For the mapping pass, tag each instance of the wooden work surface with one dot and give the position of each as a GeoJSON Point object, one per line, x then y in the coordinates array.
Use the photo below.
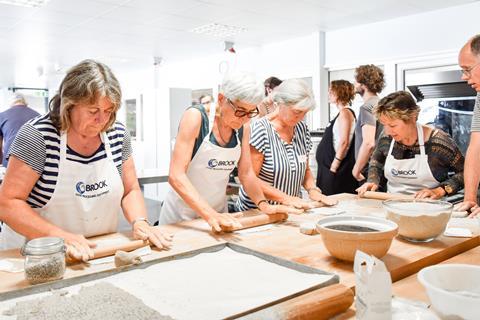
{"type": "Point", "coordinates": [411, 288]}
{"type": "Point", "coordinates": [284, 240]}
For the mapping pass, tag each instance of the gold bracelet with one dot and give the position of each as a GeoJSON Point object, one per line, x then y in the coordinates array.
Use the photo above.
{"type": "Point", "coordinates": [314, 188]}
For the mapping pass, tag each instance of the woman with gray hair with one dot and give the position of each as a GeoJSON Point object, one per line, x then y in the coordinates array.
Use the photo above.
{"type": "Point", "coordinates": [72, 170]}
{"type": "Point", "coordinates": [208, 147]}
{"type": "Point", "coordinates": [280, 144]}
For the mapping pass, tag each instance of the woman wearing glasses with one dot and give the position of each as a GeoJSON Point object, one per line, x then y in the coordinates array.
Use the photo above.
{"type": "Point", "coordinates": [279, 145]}
{"type": "Point", "coordinates": [207, 149]}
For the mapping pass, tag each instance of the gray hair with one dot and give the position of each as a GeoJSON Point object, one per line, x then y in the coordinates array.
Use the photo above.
{"type": "Point", "coordinates": [86, 82]}
{"type": "Point", "coordinates": [294, 92]}
{"type": "Point", "coordinates": [18, 98]}
{"type": "Point", "coordinates": [242, 87]}
{"type": "Point", "coordinates": [475, 45]}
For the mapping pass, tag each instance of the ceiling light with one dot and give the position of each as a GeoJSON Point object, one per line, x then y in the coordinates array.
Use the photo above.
{"type": "Point", "coordinates": [218, 30]}
{"type": "Point", "coordinates": [25, 3]}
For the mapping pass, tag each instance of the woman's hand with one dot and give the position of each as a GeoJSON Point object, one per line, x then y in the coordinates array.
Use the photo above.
{"type": "Point", "coordinates": [280, 208]}
{"type": "Point", "coordinates": [435, 193]}
{"type": "Point", "coordinates": [367, 186]}
{"type": "Point", "coordinates": [358, 175]}
{"type": "Point", "coordinates": [78, 247]}
{"type": "Point", "coordinates": [224, 219]}
{"type": "Point", "coordinates": [143, 231]}
{"type": "Point", "coordinates": [298, 203]}
{"type": "Point", "coordinates": [317, 195]}
{"type": "Point", "coordinates": [466, 205]}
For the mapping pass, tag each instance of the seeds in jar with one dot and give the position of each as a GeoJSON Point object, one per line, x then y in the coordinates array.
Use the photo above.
{"type": "Point", "coordinates": [48, 269]}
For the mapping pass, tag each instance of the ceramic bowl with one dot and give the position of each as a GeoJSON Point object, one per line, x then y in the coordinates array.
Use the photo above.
{"type": "Point", "coordinates": [344, 235]}
{"type": "Point", "coordinates": [453, 290]}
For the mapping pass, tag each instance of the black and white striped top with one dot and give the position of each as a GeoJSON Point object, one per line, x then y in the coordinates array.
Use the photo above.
{"type": "Point", "coordinates": [38, 145]}
{"type": "Point", "coordinates": [284, 164]}
{"type": "Point", "coordinates": [476, 115]}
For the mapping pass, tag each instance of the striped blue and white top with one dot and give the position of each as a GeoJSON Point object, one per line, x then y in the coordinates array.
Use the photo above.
{"type": "Point", "coordinates": [38, 145]}
{"type": "Point", "coordinates": [284, 164]}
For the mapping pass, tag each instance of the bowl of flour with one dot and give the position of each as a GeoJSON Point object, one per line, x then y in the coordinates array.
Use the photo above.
{"type": "Point", "coordinates": [419, 220]}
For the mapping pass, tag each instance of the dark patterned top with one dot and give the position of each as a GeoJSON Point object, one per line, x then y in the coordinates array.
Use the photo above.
{"type": "Point", "coordinates": [443, 154]}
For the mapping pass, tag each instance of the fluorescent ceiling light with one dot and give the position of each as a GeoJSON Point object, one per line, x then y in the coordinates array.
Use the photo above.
{"type": "Point", "coordinates": [218, 30]}
{"type": "Point", "coordinates": [25, 3]}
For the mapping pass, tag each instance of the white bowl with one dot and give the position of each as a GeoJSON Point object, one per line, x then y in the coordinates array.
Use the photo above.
{"type": "Point", "coordinates": [453, 289]}
{"type": "Point", "coordinates": [419, 220]}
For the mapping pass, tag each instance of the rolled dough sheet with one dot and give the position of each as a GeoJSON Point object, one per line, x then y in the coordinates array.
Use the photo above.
{"type": "Point", "coordinates": [207, 286]}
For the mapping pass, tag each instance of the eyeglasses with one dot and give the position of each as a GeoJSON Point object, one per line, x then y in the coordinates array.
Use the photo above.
{"type": "Point", "coordinates": [241, 113]}
{"type": "Point", "coordinates": [468, 72]}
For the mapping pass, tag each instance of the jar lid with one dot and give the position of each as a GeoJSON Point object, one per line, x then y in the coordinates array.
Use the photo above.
{"type": "Point", "coordinates": [44, 245]}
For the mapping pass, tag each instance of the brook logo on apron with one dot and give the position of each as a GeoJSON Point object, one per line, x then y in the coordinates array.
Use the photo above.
{"type": "Point", "coordinates": [408, 176]}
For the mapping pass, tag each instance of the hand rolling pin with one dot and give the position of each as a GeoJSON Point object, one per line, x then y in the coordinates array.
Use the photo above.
{"type": "Point", "coordinates": [256, 220]}
{"type": "Point", "coordinates": [110, 250]}
{"type": "Point", "coordinates": [385, 195]}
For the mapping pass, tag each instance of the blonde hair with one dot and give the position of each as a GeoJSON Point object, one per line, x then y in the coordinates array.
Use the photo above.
{"type": "Point", "coordinates": [88, 81]}
{"type": "Point", "coordinates": [397, 105]}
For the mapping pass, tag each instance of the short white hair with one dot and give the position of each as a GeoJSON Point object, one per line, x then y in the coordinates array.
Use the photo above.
{"type": "Point", "coordinates": [17, 99]}
{"type": "Point", "coordinates": [294, 93]}
{"type": "Point", "coordinates": [243, 87]}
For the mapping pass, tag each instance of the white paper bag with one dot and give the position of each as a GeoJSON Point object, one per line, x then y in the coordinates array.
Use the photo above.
{"type": "Point", "coordinates": [373, 288]}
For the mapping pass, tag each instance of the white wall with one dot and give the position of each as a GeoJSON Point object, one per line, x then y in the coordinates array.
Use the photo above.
{"type": "Point", "coordinates": [440, 32]}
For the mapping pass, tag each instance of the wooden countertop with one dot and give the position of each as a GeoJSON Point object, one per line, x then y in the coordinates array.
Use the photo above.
{"type": "Point", "coordinates": [285, 241]}
{"type": "Point", "coordinates": [411, 288]}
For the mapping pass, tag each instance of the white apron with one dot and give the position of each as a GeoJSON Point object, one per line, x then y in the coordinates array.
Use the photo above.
{"type": "Point", "coordinates": [408, 176]}
{"type": "Point", "coordinates": [209, 172]}
{"type": "Point", "coordinates": [86, 199]}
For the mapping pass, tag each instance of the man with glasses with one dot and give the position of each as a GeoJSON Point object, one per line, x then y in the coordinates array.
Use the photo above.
{"type": "Point", "coordinates": [208, 147]}
{"type": "Point", "coordinates": [469, 61]}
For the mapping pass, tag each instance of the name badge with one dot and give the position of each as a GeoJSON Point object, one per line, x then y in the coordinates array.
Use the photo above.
{"type": "Point", "coordinates": [302, 158]}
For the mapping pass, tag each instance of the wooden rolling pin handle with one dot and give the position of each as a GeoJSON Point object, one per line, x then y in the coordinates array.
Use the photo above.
{"type": "Point", "coordinates": [257, 220]}
{"type": "Point", "coordinates": [384, 195]}
{"type": "Point", "coordinates": [319, 304]}
{"type": "Point", "coordinates": [110, 250]}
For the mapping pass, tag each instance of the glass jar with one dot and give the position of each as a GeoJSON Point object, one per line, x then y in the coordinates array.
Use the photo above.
{"type": "Point", "coordinates": [44, 259]}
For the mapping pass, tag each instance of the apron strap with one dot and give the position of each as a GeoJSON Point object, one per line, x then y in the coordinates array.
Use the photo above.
{"type": "Point", "coordinates": [106, 143]}
{"type": "Point", "coordinates": [211, 117]}
{"type": "Point", "coordinates": [421, 140]}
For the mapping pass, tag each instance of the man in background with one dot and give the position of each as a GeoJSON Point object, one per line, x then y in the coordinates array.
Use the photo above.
{"type": "Point", "coordinates": [10, 122]}
{"type": "Point", "coordinates": [369, 82]}
{"type": "Point", "coordinates": [469, 61]}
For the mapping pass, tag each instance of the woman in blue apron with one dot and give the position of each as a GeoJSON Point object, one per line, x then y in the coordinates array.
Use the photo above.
{"type": "Point", "coordinates": [280, 145]}
{"type": "Point", "coordinates": [335, 154]}
{"type": "Point", "coordinates": [414, 159]}
{"type": "Point", "coordinates": [207, 148]}
{"type": "Point", "coordinates": [71, 171]}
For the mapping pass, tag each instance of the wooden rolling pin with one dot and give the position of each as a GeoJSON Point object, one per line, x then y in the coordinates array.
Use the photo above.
{"type": "Point", "coordinates": [256, 220]}
{"type": "Point", "coordinates": [385, 196]}
{"type": "Point", "coordinates": [110, 250]}
{"type": "Point", "coordinates": [320, 304]}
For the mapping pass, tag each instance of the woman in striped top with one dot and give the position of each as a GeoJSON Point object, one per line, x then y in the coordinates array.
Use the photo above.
{"type": "Point", "coordinates": [279, 145]}
{"type": "Point", "coordinates": [71, 171]}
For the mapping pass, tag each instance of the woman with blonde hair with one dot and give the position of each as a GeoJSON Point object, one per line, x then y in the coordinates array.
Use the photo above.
{"type": "Point", "coordinates": [71, 170]}
{"type": "Point", "coordinates": [414, 159]}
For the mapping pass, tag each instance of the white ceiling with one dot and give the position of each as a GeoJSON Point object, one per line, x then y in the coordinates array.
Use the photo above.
{"type": "Point", "coordinates": [131, 32]}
